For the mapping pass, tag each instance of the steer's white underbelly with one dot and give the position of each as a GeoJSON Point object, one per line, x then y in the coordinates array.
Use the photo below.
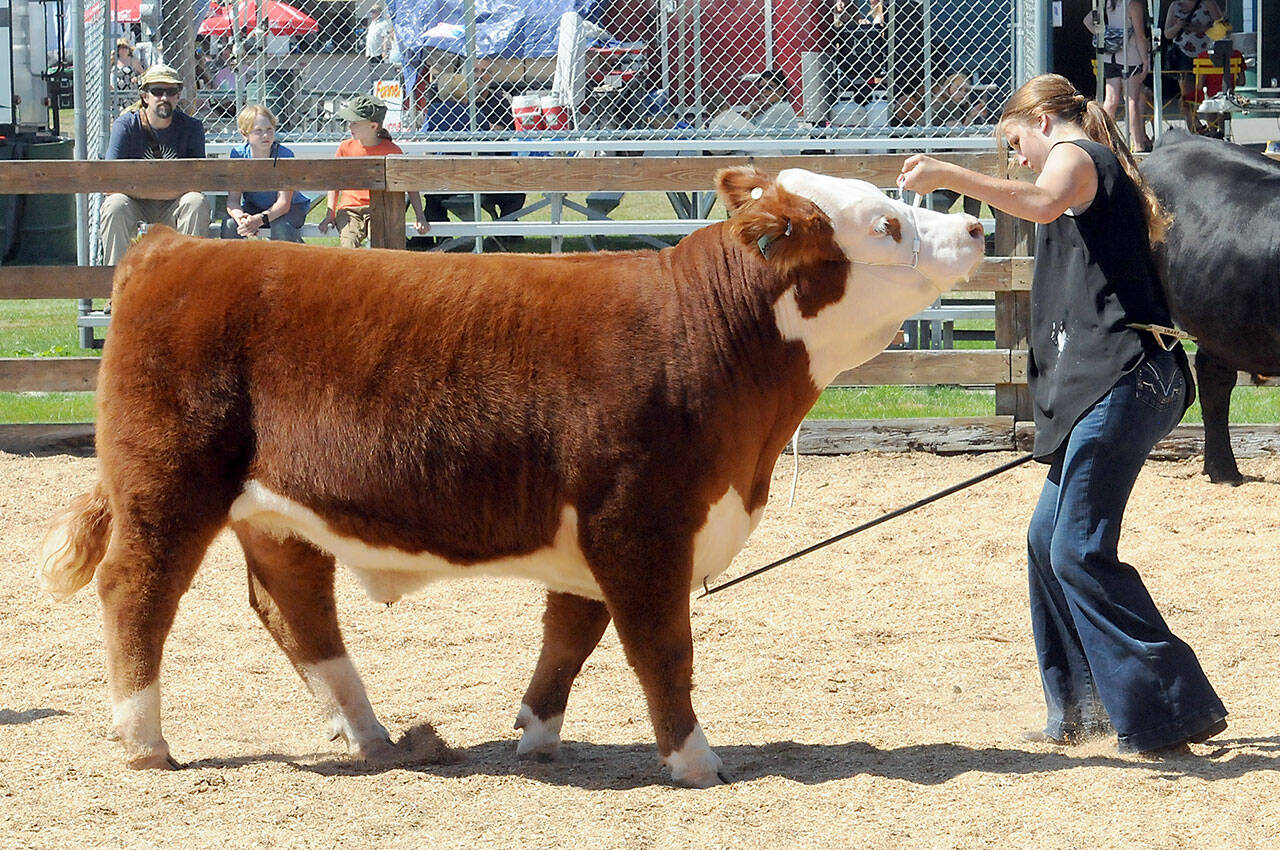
{"type": "Point", "coordinates": [388, 573]}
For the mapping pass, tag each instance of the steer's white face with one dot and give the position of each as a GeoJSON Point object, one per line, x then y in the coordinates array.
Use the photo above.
{"type": "Point", "coordinates": [901, 259]}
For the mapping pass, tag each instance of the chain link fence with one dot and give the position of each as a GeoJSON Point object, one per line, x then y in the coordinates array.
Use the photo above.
{"type": "Point", "coordinates": [814, 71]}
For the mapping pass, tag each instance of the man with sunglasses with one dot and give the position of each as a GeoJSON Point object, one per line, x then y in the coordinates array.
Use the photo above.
{"type": "Point", "coordinates": [155, 128]}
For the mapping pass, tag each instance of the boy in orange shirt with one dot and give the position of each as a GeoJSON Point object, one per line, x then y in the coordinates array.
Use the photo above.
{"type": "Point", "coordinates": [349, 208]}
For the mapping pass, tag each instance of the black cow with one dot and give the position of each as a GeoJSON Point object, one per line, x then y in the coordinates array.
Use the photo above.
{"type": "Point", "coordinates": [1221, 269]}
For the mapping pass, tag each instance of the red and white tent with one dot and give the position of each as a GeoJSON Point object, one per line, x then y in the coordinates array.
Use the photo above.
{"type": "Point", "coordinates": [282, 19]}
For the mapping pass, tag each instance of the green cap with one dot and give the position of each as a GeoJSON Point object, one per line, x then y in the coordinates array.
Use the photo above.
{"type": "Point", "coordinates": [159, 74]}
{"type": "Point", "coordinates": [362, 108]}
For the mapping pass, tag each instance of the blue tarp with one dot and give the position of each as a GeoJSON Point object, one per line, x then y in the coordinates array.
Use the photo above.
{"type": "Point", "coordinates": [506, 28]}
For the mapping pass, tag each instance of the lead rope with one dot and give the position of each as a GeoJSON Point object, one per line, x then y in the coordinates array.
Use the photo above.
{"type": "Point", "coordinates": [955, 488]}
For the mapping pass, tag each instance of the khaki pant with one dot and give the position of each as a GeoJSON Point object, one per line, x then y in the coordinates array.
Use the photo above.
{"type": "Point", "coordinates": [353, 226]}
{"type": "Point", "coordinates": [121, 215]}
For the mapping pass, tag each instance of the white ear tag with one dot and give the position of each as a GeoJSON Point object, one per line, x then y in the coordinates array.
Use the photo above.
{"type": "Point", "coordinates": [757, 193]}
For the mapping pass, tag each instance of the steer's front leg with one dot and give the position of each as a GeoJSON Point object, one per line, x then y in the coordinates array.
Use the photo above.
{"type": "Point", "coordinates": [652, 619]}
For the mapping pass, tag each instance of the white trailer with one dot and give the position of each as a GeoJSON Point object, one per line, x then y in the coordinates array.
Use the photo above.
{"type": "Point", "coordinates": [28, 32]}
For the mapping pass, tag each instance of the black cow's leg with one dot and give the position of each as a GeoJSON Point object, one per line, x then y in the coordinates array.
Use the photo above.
{"type": "Point", "coordinates": [571, 628]}
{"type": "Point", "coordinates": [291, 589]}
{"type": "Point", "coordinates": [1216, 381]}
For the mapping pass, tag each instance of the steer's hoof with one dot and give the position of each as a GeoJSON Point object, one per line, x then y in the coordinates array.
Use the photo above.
{"type": "Point", "coordinates": [154, 761]}
{"type": "Point", "coordinates": [376, 751]}
{"type": "Point", "coordinates": [696, 765]}
{"type": "Point", "coordinates": [541, 738]}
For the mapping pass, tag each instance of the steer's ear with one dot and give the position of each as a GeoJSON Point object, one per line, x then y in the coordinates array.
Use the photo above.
{"type": "Point", "coordinates": [740, 186]}
{"type": "Point", "coordinates": [788, 230]}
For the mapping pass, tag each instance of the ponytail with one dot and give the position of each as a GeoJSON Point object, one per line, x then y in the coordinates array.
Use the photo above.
{"type": "Point", "coordinates": [1052, 94]}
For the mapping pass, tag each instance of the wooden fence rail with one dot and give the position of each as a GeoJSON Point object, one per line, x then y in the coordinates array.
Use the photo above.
{"type": "Point", "coordinates": [1008, 277]}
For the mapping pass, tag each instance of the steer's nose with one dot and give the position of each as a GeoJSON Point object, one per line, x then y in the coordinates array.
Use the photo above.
{"type": "Point", "coordinates": [975, 228]}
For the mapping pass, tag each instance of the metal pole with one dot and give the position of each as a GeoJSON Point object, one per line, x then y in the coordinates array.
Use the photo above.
{"type": "Point", "coordinates": [469, 79]}
{"type": "Point", "coordinates": [768, 34]}
{"type": "Point", "coordinates": [927, 47]}
{"type": "Point", "coordinates": [80, 151]}
{"type": "Point", "coordinates": [1099, 37]}
{"type": "Point", "coordinates": [1156, 40]}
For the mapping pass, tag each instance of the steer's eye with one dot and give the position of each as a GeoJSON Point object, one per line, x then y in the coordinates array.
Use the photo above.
{"type": "Point", "coordinates": [891, 227]}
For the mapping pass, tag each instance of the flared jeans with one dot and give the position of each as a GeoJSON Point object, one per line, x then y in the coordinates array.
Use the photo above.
{"type": "Point", "coordinates": [1107, 659]}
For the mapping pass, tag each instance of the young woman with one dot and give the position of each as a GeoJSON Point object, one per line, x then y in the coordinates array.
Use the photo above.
{"type": "Point", "coordinates": [126, 69]}
{"type": "Point", "coordinates": [280, 214]}
{"type": "Point", "coordinates": [349, 208]}
{"type": "Point", "coordinates": [1104, 394]}
{"type": "Point", "coordinates": [1131, 63]}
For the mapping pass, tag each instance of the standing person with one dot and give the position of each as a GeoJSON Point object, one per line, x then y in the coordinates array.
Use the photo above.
{"type": "Point", "coordinates": [282, 213]}
{"type": "Point", "coordinates": [1104, 394]}
{"type": "Point", "coordinates": [126, 70]}
{"type": "Point", "coordinates": [1130, 61]}
{"type": "Point", "coordinates": [349, 208]}
{"type": "Point", "coordinates": [377, 37]}
{"type": "Point", "coordinates": [1185, 25]}
{"type": "Point", "coordinates": [154, 129]}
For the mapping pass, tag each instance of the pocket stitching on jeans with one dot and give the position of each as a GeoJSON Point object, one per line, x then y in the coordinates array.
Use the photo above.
{"type": "Point", "coordinates": [1150, 390]}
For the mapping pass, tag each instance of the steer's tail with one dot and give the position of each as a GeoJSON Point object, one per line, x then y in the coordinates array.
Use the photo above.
{"type": "Point", "coordinates": [75, 544]}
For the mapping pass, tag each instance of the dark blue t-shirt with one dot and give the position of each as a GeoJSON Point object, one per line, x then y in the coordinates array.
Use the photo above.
{"type": "Point", "coordinates": [264, 200]}
{"type": "Point", "coordinates": [182, 139]}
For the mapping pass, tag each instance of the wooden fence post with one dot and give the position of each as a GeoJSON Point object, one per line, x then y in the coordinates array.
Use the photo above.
{"type": "Point", "coordinates": [386, 220]}
{"type": "Point", "coordinates": [1014, 237]}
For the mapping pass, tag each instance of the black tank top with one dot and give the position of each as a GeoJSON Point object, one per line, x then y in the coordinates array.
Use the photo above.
{"type": "Point", "coordinates": [1093, 276]}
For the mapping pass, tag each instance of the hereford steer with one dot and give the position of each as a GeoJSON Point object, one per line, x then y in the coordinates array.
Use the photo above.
{"type": "Point", "coordinates": [603, 423]}
{"type": "Point", "coordinates": [1220, 266]}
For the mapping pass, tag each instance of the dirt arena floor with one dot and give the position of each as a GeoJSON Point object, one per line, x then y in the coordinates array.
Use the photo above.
{"type": "Point", "coordinates": [873, 694]}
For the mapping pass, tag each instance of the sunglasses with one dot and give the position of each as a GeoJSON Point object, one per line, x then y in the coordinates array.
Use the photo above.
{"type": "Point", "coordinates": [171, 91]}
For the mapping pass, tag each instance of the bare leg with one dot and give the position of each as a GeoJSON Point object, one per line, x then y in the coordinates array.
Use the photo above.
{"type": "Point", "coordinates": [291, 589]}
{"type": "Point", "coordinates": [1135, 111]}
{"type": "Point", "coordinates": [571, 628]}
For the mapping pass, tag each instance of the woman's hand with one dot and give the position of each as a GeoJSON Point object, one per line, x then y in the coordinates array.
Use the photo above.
{"type": "Point", "coordinates": [922, 174]}
{"type": "Point", "coordinates": [422, 226]}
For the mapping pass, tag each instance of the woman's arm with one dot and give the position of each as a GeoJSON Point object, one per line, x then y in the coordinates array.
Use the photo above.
{"type": "Point", "coordinates": [1173, 24]}
{"type": "Point", "coordinates": [1068, 180]}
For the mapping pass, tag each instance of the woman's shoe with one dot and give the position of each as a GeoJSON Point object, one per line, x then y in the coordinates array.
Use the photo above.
{"type": "Point", "coordinates": [1181, 748]}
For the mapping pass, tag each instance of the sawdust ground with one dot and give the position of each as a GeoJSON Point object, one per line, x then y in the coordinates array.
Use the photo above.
{"type": "Point", "coordinates": [872, 694]}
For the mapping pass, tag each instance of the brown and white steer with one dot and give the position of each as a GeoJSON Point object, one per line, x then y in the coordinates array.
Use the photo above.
{"type": "Point", "coordinates": [605, 424]}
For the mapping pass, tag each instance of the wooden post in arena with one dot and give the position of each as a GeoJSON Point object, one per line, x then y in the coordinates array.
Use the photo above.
{"type": "Point", "coordinates": [386, 220]}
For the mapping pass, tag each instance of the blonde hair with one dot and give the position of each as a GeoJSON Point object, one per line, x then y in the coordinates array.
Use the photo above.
{"type": "Point", "coordinates": [248, 115]}
{"type": "Point", "coordinates": [1053, 94]}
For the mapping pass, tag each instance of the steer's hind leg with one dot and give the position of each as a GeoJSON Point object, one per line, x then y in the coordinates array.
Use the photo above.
{"type": "Point", "coordinates": [140, 580]}
{"type": "Point", "coordinates": [650, 609]}
{"type": "Point", "coordinates": [571, 628]}
{"type": "Point", "coordinates": [291, 589]}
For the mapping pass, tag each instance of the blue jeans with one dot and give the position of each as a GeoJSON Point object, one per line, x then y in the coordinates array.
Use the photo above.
{"type": "Point", "coordinates": [1107, 658]}
{"type": "Point", "coordinates": [286, 228]}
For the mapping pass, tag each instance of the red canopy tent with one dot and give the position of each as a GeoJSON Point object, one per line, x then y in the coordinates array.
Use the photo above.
{"type": "Point", "coordinates": [122, 11]}
{"type": "Point", "coordinates": [282, 19]}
